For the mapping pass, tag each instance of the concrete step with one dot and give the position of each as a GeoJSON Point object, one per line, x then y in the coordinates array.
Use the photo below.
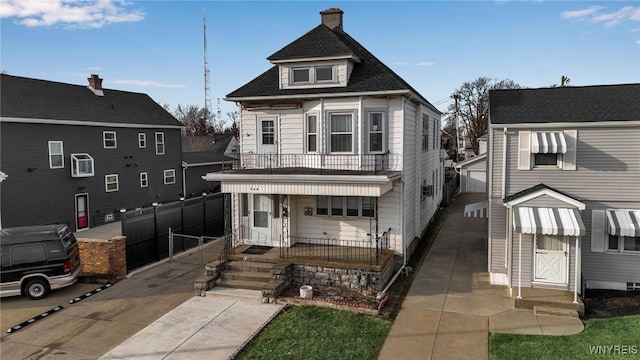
{"type": "Point", "coordinates": [241, 284]}
{"type": "Point", "coordinates": [555, 311]}
{"type": "Point", "coordinates": [249, 266]}
{"type": "Point", "coordinates": [532, 303]}
{"type": "Point", "coordinates": [246, 275]}
{"type": "Point", "coordinates": [241, 294]}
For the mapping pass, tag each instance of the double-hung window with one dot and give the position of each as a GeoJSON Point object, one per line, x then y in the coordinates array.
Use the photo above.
{"type": "Point", "coordinates": [144, 180]}
{"type": "Point", "coordinates": [111, 182]}
{"type": "Point", "coordinates": [159, 143]}
{"type": "Point", "coordinates": [312, 133]}
{"type": "Point", "coordinates": [142, 140]}
{"type": "Point", "coordinates": [425, 132]}
{"type": "Point", "coordinates": [169, 176]}
{"type": "Point", "coordinates": [81, 165]}
{"type": "Point", "coordinates": [376, 132]}
{"type": "Point", "coordinates": [56, 155]}
{"type": "Point", "coordinates": [341, 132]}
{"type": "Point", "coordinates": [109, 139]}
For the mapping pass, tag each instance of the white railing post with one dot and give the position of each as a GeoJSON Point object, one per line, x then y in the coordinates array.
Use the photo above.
{"type": "Point", "coordinates": [520, 266]}
{"type": "Point", "coordinates": [170, 244]}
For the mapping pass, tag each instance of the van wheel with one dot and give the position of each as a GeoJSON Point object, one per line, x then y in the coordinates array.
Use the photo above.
{"type": "Point", "coordinates": [37, 289]}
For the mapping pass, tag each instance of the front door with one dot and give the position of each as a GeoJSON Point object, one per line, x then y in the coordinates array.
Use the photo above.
{"type": "Point", "coordinates": [82, 211]}
{"type": "Point", "coordinates": [551, 260]}
{"type": "Point", "coordinates": [268, 142]}
{"type": "Point", "coordinates": [261, 220]}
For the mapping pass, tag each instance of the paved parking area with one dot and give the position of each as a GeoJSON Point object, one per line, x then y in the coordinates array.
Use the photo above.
{"type": "Point", "coordinates": [90, 328]}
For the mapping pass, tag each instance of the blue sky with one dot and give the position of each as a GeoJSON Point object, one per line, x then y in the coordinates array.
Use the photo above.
{"type": "Point", "coordinates": [156, 47]}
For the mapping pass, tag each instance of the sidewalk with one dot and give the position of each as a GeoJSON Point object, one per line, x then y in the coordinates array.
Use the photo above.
{"type": "Point", "coordinates": [451, 307]}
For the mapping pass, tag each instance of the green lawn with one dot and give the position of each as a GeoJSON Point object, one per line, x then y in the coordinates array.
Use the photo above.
{"type": "Point", "coordinates": [622, 332]}
{"type": "Point", "coordinates": [309, 332]}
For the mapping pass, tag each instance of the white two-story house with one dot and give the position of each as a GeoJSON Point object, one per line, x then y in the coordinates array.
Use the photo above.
{"type": "Point", "coordinates": [335, 149]}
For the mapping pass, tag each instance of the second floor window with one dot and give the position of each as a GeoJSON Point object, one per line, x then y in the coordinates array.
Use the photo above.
{"type": "Point", "coordinates": [159, 143]}
{"type": "Point", "coordinates": [341, 133]}
{"type": "Point", "coordinates": [312, 133]}
{"type": "Point", "coordinates": [109, 139]}
{"type": "Point", "coordinates": [56, 155]}
{"type": "Point", "coordinates": [425, 132]}
{"type": "Point", "coordinates": [268, 132]}
{"type": "Point", "coordinates": [142, 140]}
{"type": "Point", "coordinates": [376, 132]}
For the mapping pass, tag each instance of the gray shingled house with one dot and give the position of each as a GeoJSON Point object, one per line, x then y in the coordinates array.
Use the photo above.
{"type": "Point", "coordinates": [78, 154]}
{"type": "Point", "coordinates": [337, 152]}
{"type": "Point", "coordinates": [563, 193]}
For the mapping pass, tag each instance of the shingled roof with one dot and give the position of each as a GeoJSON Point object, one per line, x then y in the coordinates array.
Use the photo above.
{"type": "Point", "coordinates": [369, 75]}
{"type": "Point", "coordinates": [27, 98]}
{"type": "Point", "coordinates": [565, 104]}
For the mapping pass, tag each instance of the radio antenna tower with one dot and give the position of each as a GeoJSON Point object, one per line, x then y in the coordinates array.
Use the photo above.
{"type": "Point", "coordinates": [207, 88]}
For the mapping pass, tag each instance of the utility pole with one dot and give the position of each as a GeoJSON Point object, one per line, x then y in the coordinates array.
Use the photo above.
{"type": "Point", "coordinates": [207, 89]}
{"type": "Point", "coordinates": [456, 96]}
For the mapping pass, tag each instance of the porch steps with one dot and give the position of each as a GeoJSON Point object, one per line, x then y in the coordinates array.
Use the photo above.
{"type": "Point", "coordinates": [549, 301]}
{"type": "Point", "coordinates": [245, 275]}
{"type": "Point", "coordinates": [555, 311]}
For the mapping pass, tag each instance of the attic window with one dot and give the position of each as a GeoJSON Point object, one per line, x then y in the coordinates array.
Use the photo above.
{"type": "Point", "coordinates": [313, 75]}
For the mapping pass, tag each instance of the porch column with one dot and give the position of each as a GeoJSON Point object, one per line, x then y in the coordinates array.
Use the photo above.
{"type": "Point", "coordinates": [519, 265]}
{"type": "Point", "coordinates": [575, 271]}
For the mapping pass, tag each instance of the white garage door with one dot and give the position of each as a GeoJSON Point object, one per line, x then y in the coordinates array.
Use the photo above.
{"type": "Point", "coordinates": [476, 181]}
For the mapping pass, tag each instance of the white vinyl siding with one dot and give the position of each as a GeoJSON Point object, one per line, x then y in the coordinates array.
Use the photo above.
{"type": "Point", "coordinates": [56, 155]}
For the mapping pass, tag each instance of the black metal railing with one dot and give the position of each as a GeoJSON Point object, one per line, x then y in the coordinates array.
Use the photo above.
{"type": "Point", "coordinates": [332, 249]}
{"type": "Point", "coordinates": [310, 163]}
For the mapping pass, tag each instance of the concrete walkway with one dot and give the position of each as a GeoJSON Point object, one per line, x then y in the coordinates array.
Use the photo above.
{"type": "Point", "coordinates": [451, 307]}
{"type": "Point", "coordinates": [213, 327]}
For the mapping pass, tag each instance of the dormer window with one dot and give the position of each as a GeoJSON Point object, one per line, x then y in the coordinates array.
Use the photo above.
{"type": "Point", "coordinates": [313, 75]}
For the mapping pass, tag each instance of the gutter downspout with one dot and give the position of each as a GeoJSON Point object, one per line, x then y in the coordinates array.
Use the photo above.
{"type": "Point", "coordinates": [575, 271]}
{"type": "Point", "coordinates": [404, 247]}
{"type": "Point", "coordinates": [184, 179]}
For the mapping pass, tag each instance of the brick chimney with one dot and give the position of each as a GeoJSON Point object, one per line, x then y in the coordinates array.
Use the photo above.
{"type": "Point", "coordinates": [95, 82]}
{"type": "Point", "coordinates": [332, 18]}
{"type": "Point", "coordinates": [95, 85]}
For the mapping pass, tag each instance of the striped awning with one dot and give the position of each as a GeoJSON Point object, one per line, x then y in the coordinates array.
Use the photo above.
{"type": "Point", "coordinates": [548, 221]}
{"type": "Point", "coordinates": [623, 222]}
{"type": "Point", "coordinates": [478, 209]}
{"type": "Point", "coordinates": [548, 143]}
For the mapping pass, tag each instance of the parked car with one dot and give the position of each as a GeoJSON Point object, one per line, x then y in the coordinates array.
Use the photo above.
{"type": "Point", "coordinates": [38, 259]}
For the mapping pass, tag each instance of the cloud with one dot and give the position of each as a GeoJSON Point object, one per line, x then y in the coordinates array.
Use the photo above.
{"type": "Point", "coordinates": [596, 14]}
{"type": "Point", "coordinates": [147, 83]}
{"type": "Point", "coordinates": [425, 63]}
{"type": "Point", "coordinates": [573, 14]}
{"type": "Point", "coordinates": [401, 63]}
{"type": "Point", "coordinates": [70, 13]}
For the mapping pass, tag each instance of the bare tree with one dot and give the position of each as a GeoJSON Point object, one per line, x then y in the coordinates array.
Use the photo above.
{"type": "Point", "coordinates": [233, 121]}
{"type": "Point", "coordinates": [198, 121]}
{"type": "Point", "coordinates": [473, 107]}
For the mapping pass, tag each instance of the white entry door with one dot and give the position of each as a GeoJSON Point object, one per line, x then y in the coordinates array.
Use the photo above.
{"type": "Point", "coordinates": [261, 220]}
{"type": "Point", "coordinates": [268, 142]}
{"type": "Point", "coordinates": [551, 259]}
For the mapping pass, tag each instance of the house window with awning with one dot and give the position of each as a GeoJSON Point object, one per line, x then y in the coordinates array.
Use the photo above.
{"type": "Point", "coordinates": [623, 228]}
{"type": "Point", "coordinates": [547, 148]}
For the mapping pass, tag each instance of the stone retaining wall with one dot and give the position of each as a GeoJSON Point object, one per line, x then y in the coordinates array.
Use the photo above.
{"type": "Point", "coordinates": [365, 281]}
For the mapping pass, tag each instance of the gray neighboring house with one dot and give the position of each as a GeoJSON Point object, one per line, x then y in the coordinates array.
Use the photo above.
{"type": "Point", "coordinates": [202, 155]}
{"type": "Point", "coordinates": [563, 193]}
{"type": "Point", "coordinates": [78, 154]}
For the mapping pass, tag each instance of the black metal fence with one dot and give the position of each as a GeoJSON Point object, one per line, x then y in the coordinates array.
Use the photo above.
{"type": "Point", "coordinates": [332, 249]}
{"type": "Point", "coordinates": [147, 229]}
{"type": "Point", "coordinates": [310, 163]}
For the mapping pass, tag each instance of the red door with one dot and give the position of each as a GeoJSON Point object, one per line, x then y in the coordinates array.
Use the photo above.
{"type": "Point", "coordinates": [82, 211]}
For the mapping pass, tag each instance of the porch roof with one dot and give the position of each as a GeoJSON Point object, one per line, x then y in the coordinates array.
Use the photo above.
{"type": "Point", "coordinates": [337, 185]}
{"type": "Point", "coordinates": [548, 221]}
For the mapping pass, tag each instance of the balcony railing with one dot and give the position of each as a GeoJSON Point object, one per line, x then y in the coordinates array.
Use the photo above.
{"type": "Point", "coordinates": [310, 163]}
